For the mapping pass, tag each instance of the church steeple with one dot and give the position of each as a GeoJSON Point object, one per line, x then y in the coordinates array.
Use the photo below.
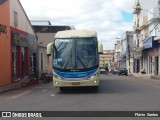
{"type": "Point", "coordinates": [137, 7]}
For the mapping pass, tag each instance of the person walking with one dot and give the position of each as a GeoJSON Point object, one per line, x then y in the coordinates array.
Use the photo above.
{"type": "Point", "coordinates": [107, 70]}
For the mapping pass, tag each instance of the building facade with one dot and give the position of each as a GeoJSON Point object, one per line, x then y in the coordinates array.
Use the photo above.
{"type": "Point", "coordinates": [150, 45]}
{"type": "Point", "coordinates": [106, 58]}
{"type": "Point", "coordinates": [147, 45]}
{"type": "Point", "coordinates": [117, 50]}
{"type": "Point", "coordinates": [136, 41]}
{"type": "Point", "coordinates": [126, 54]}
{"type": "Point", "coordinates": [18, 44]}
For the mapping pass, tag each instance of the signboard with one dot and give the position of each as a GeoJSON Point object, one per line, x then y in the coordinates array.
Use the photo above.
{"type": "Point", "coordinates": [147, 43]}
{"type": "Point", "coordinates": [154, 52]}
{"type": "Point", "coordinates": [137, 55]}
{"type": "Point", "coordinates": [131, 60]}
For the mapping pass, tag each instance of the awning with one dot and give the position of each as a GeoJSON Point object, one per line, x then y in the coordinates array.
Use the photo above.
{"type": "Point", "coordinates": [157, 38]}
{"type": "Point", "coordinates": [149, 42]}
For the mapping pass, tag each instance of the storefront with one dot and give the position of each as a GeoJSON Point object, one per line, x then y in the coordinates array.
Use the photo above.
{"type": "Point", "coordinates": [18, 44]}
{"type": "Point", "coordinates": [151, 56]}
{"type": "Point", "coordinates": [136, 62]}
{"type": "Point", "coordinates": [24, 54]}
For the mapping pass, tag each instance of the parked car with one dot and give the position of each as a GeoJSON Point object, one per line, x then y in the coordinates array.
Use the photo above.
{"type": "Point", "coordinates": [102, 71]}
{"type": "Point", "coordinates": [115, 71]}
{"type": "Point", "coordinates": [123, 71]}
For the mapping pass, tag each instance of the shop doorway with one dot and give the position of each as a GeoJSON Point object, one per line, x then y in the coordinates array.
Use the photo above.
{"type": "Point", "coordinates": [136, 65]}
{"type": "Point", "coordinates": [156, 65]}
{"type": "Point", "coordinates": [150, 65]}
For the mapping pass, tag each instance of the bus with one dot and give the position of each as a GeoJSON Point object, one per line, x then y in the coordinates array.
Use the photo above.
{"type": "Point", "coordinates": [75, 59]}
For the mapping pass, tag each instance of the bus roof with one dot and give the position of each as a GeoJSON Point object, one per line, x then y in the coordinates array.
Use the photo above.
{"type": "Point", "coordinates": [75, 34]}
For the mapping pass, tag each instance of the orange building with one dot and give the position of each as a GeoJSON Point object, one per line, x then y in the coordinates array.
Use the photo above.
{"type": "Point", "coordinates": [18, 44]}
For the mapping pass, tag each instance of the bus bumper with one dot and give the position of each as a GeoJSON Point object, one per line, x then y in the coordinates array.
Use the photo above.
{"type": "Point", "coordinates": [76, 83]}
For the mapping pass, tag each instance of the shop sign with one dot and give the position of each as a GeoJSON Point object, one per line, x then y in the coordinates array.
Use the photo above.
{"type": "Point", "coordinates": [131, 60]}
{"type": "Point", "coordinates": [3, 29]}
{"type": "Point", "coordinates": [147, 43]}
{"type": "Point", "coordinates": [153, 52]}
{"type": "Point", "coordinates": [137, 55]}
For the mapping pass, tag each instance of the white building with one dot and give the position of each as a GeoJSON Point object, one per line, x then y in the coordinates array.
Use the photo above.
{"type": "Point", "coordinates": [151, 45]}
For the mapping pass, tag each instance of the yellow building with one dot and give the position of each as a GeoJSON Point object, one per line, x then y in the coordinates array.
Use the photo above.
{"type": "Point", "coordinates": [105, 58]}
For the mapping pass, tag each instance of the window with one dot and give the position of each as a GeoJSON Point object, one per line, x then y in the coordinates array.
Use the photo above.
{"type": "Point", "coordinates": [19, 62]}
{"type": "Point", "coordinates": [14, 63]}
{"type": "Point", "coordinates": [24, 62]}
{"type": "Point", "coordinates": [15, 19]}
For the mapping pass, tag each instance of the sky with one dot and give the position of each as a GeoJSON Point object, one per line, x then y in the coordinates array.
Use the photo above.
{"type": "Point", "coordinates": [110, 18]}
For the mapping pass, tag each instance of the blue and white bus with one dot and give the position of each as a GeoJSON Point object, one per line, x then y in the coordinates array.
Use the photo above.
{"type": "Point", "coordinates": [75, 59]}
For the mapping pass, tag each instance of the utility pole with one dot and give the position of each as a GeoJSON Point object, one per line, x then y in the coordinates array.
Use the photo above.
{"type": "Point", "coordinates": [129, 56]}
{"type": "Point", "coordinates": [128, 47]}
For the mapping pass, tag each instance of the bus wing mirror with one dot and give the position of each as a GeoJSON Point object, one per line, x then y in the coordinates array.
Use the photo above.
{"type": "Point", "coordinates": [100, 47]}
{"type": "Point", "coordinates": [49, 49]}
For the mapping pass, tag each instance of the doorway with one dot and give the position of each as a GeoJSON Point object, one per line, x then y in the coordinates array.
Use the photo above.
{"type": "Point", "coordinates": [156, 65]}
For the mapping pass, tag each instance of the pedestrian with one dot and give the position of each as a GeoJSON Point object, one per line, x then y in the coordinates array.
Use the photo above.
{"type": "Point", "coordinates": [47, 77]}
{"type": "Point", "coordinates": [107, 70]}
{"type": "Point", "coordinates": [143, 71]}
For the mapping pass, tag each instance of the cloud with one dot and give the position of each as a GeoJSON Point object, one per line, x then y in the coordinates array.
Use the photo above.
{"type": "Point", "coordinates": [104, 16]}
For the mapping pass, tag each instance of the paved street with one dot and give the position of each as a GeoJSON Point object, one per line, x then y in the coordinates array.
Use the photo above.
{"type": "Point", "coordinates": [116, 93]}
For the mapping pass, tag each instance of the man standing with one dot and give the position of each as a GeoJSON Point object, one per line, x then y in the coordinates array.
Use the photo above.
{"type": "Point", "coordinates": [107, 70]}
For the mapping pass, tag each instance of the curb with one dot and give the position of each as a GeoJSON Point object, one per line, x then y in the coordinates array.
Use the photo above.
{"type": "Point", "coordinates": [146, 76]}
{"type": "Point", "coordinates": [20, 84]}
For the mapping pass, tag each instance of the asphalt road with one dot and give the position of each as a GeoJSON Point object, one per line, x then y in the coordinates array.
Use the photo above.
{"type": "Point", "coordinates": [116, 93]}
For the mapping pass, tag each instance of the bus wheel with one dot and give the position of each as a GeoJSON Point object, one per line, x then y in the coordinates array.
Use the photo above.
{"type": "Point", "coordinates": [62, 89]}
{"type": "Point", "coordinates": [95, 88]}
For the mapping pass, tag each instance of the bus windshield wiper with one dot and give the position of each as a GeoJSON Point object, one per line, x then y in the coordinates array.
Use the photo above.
{"type": "Point", "coordinates": [81, 62]}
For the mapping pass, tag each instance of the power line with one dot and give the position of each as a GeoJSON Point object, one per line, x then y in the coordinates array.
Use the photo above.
{"type": "Point", "coordinates": [153, 28]}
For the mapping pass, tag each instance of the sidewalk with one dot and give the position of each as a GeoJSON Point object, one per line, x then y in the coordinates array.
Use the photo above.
{"type": "Point", "coordinates": [146, 76]}
{"type": "Point", "coordinates": [21, 84]}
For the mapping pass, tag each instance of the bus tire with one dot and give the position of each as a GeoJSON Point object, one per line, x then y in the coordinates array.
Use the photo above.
{"type": "Point", "coordinates": [62, 89]}
{"type": "Point", "coordinates": [95, 88]}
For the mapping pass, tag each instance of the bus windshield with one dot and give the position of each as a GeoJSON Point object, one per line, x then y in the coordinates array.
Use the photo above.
{"type": "Point", "coordinates": [75, 54]}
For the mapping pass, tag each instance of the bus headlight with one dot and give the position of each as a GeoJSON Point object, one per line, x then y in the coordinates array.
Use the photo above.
{"type": "Point", "coordinates": [54, 75]}
{"type": "Point", "coordinates": [58, 77]}
{"type": "Point", "coordinates": [93, 76]}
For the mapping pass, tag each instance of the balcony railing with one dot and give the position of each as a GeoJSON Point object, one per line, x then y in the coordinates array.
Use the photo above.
{"type": "Point", "coordinates": [137, 9]}
{"type": "Point", "coordinates": [136, 29]}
